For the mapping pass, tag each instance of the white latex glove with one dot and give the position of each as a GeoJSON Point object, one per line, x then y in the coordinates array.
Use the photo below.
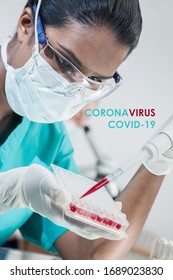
{"type": "Point", "coordinates": [36, 188]}
{"type": "Point", "coordinates": [32, 187]}
{"type": "Point", "coordinates": [160, 148]}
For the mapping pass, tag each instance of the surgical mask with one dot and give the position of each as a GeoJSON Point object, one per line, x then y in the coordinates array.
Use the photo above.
{"type": "Point", "coordinates": [37, 92]}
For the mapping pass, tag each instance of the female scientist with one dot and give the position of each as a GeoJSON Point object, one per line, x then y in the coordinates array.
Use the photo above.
{"type": "Point", "coordinates": [64, 55]}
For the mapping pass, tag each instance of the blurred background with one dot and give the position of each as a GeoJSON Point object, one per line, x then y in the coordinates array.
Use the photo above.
{"type": "Point", "coordinates": [147, 75]}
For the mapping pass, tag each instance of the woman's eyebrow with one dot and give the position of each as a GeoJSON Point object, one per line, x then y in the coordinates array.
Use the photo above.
{"type": "Point", "coordinates": [78, 64]}
{"type": "Point", "coordinates": [72, 56]}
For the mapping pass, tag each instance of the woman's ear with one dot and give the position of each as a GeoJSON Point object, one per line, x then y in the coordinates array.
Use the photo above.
{"type": "Point", "coordinates": [25, 27]}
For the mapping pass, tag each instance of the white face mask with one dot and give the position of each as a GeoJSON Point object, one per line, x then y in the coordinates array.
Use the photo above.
{"type": "Point", "coordinates": [39, 93]}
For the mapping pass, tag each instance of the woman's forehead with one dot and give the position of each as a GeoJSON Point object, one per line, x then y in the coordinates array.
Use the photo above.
{"type": "Point", "coordinates": [94, 47]}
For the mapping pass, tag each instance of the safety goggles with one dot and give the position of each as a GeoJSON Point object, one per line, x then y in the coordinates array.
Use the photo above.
{"type": "Point", "coordinates": [95, 87]}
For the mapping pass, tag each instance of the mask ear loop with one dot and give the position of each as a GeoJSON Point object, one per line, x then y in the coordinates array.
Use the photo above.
{"type": "Point", "coordinates": [40, 36]}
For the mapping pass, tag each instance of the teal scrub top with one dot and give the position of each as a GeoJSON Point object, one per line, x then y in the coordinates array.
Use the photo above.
{"type": "Point", "coordinates": [42, 144]}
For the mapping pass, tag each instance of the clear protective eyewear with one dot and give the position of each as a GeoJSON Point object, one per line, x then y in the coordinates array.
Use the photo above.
{"type": "Point", "coordinates": [92, 87]}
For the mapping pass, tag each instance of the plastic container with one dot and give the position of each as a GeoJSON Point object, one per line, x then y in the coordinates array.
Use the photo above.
{"type": "Point", "coordinates": [162, 249]}
{"type": "Point", "coordinates": [97, 209]}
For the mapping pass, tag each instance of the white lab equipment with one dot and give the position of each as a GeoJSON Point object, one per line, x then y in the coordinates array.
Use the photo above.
{"type": "Point", "coordinates": [157, 152]}
{"type": "Point", "coordinates": [98, 210]}
{"type": "Point", "coordinates": [160, 148]}
{"type": "Point", "coordinates": [162, 249]}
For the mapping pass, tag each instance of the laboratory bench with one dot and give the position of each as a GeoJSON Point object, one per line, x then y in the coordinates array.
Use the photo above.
{"type": "Point", "coordinates": [15, 254]}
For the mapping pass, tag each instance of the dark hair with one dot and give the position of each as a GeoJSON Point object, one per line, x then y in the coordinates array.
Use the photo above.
{"type": "Point", "coordinates": [122, 17]}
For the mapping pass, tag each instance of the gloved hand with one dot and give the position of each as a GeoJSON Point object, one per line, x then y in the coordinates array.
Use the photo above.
{"type": "Point", "coordinates": [160, 148]}
{"type": "Point", "coordinates": [35, 187]}
{"type": "Point", "coordinates": [32, 187]}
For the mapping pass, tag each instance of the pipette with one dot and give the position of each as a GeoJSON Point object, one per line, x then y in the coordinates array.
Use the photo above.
{"type": "Point", "coordinates": [117, 172]}
{"type": "Point", "coordinates": [153, 148]}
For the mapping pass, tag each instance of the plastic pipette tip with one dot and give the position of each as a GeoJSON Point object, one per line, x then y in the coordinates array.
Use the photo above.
{"type": "Point", "coordinates": [96, 187]}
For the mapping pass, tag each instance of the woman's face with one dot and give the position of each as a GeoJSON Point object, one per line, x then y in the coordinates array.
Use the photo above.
{"type": "Point", "coordinates": [93, 50]}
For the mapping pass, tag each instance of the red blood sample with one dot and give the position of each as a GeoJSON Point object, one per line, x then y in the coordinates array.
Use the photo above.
{"type": "Point", "coordinates": [73, 208]}
{"type": "Point", "coordinates": [82, 212]}
{"type": "Point", "coordinates": [94, 217]}
{"type": "Point", "coordinates": [99, 219]}
{"type": "Point", "coordinates": [108, 222]}
{"type": "Point", "coordinates": [117, 226]}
